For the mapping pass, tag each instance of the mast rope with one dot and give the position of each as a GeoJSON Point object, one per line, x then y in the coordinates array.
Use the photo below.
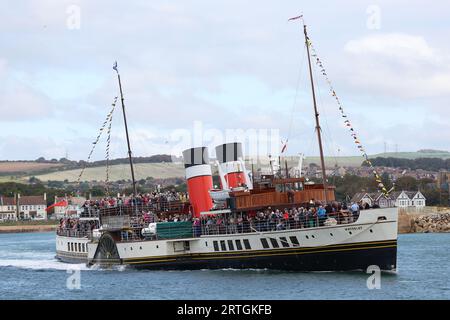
{"type": "Point", "coordinates": [94, 144]}
{"type": "Point", "coordinates": [108, 143]}
{"type": "Point", "coordinates": [347, 122]}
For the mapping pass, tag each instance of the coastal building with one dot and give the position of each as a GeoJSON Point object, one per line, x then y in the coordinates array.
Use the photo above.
{"type": "Point", "coordinates": [363, 198]}
{"type": "Point", "coordinates": [409, 199]}
{"type": "Point", "coordinates": [66, 207]}
{"type": "Point", "coordinates": [400, 199]}
{"type": "Point", "coordinates": [32, 207]}
{"type": "Point", "coordinates": [8, 208]}
{"type": "Point", "coordinates": [23, 208]}
{"type": "Point", "coordinates": [443, 178]}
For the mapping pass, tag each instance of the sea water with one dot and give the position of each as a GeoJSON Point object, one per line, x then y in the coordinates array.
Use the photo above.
{"type": "Point", "coordinates": [28, 270]}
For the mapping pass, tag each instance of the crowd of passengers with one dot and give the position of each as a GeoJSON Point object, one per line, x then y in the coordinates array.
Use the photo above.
{"type": "Point", "coordinates": [309, 216]}
{"type": "Point", "coordinates": [146, 199]}
{"type": "Point", "coordinates": [76, 225]}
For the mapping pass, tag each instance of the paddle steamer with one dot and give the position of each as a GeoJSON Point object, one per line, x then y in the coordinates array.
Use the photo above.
{"type": "Point", "coordinates": [237, 226]}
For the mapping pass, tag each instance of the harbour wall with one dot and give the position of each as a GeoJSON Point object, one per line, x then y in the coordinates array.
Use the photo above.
{"type": "Point", "coordinates": [423, 220]}
{"type": "Point", "coordinates": [27, 228]}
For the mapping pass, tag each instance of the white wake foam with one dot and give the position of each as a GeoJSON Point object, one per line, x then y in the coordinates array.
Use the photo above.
{"type": "Point", "coordinates": [42, 264]}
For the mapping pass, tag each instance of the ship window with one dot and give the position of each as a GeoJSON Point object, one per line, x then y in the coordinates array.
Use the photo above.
{"type": "Point", "coordinates": [274, 242]}
{"type": "Point", "coordinates": [247, 244]}
{"type": "Point", "coordinates": [216, 246]}
{"type": "Point", "coordinates": [230, 245]}
{"type": "Point", "coordinates": [264, 242]}
{"type": "Point", "coordinates": [238, 244]}
{"type": "Point", "coordinates": [68, 246]}
{"type": "Point", "coordinates": [294, 241]}
{"type": "Point", "coordinates": [71, 246]}
{"type": "Point", "coordinates": [222, 245]}
{"type": "Point", "coordinates": [84, 248]}
{"type": "Point", "coordinates": [79, 247]}
{"type": "Point", "coordinates": [284, 242]}
{"type": "Point", "coordinates": [75, 247]}
{"type": "Point", "coordinates": [206, 243]}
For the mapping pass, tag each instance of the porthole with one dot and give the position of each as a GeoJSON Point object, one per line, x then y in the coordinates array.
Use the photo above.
{"type": "Point", "coordinates": [157, 246]}
{"type": "Point", "coordinates": [313, 236]}
{"type": "Point", "coordinates": [307, 237]}
{"type": "Point", "coordinates": [371, 230]}
{"type": "Point", "coordinates": [349, 232]}
{"type": "Point", "coordinates": [140, 248]}
{"type": "Point", "coordinates": [131, 248]}
{"type": "Point", "coordinates": [206, 243]}
{"type": "Point", "coordinates": [331, 234]}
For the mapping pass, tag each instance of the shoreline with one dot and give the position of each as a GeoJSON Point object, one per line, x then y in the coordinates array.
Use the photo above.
{"type": "Point", "coordinates": [28, 228]}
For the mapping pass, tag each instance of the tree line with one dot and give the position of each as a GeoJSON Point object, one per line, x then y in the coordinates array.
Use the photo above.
{"type": "Point", "coordinates": [348, 185]}
{"type": "Point", "coordinates": [429, 164]}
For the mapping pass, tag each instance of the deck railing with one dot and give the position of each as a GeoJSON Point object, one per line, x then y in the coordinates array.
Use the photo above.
{"type": "Point", "coordinates": [272, 224]}
{"type": "Point", "coordinates": [262, 225]}
{"type": "Point", "coordinates": [73, 233]}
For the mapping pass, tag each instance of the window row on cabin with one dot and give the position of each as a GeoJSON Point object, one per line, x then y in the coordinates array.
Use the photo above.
{"type": "Point", "coordinates": [232, 245]}
{"type": "Point", "coordinates": [76, 247]}
{"type": "Point", "coordinates": [283, 242]}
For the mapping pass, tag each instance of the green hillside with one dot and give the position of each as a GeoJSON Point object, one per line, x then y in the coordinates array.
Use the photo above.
{"type": "Point", "coordinates": [175, 170]}
{"type": "Point", "coordinates": [119, 172]}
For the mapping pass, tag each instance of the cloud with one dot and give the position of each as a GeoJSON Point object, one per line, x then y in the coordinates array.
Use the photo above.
{"type": "Point", "coordinates": [398, 64]}
{"type": "Point", "coordinates": [19, 101]}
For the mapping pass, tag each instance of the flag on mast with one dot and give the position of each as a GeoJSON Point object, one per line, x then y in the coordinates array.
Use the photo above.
{"type": "Point", "coordinates": [284, 145]}
{"type": "Point", "coordinates": [295, 18]}
{"type": "Point", "coordinates": [115, 66]}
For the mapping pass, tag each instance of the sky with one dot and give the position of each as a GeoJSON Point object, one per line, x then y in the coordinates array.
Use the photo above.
{"type": "Point", "coordinates": [206, 72]}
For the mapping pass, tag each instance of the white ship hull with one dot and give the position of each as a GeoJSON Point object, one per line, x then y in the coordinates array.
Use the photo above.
{"type": "Point", "coordinates": [372, 240]}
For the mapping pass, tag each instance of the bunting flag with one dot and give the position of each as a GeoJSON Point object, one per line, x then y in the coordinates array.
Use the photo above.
{"type": "Point", "coordinates": [94, 144]}
{"type": "Point", "coordinates": [347, 122]}
{"type": "Point", "coordinates": [108, 143]}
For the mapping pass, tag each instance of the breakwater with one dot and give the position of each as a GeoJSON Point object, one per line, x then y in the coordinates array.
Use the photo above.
{"type": "Point", "coordinates": [424, 220]}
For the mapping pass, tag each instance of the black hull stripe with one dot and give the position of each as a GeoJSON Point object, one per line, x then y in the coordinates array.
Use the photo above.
{"type": "Point", "coordinates": [281, 250]}
{"type": "Point", "coordinates": [253, 254]}
{"type": "Point", "coordinates": [385, 258]}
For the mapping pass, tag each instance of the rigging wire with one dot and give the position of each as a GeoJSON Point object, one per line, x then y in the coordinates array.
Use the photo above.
{"type": "Point", "coordinates": [348, 124]}
{"type": "Point", "coordinates": [299, 80]}
{"type": "Point", "coordinates": [326, 133]}
{"type": "Point", "coordinates": [108, 143]}
{"type": "Point", "coordinates": [94, 144]}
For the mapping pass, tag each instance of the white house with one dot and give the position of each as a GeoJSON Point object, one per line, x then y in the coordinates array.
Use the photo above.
{"type": "Point", "coordinates": [8, 209]}
{"type": "Point", "coordinates": [405, 199]}
{"type": "Point", "coordinates": [363, 198]}
{"type": "Point", "coordinates": [66, 206]}
{"type": "Point", "coordinates": [383, 201]}
{"type": "Point", "coordinates": [400, 199]}
{"type": "Point", "coordinates": [32, 207]}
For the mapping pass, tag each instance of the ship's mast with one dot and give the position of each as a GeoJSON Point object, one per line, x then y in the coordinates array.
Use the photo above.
{"type": "Point", "coordinates": [126, 131]}
{"type": "Point", "coordinates": [318, 129]}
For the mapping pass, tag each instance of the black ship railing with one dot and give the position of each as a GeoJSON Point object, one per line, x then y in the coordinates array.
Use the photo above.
{"type": "Point", "coordinates": [166, 207]}
{"type": "Point", "coordinates": [73, 233]}
{"type": "Point", "coordinates": [210, 226]}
